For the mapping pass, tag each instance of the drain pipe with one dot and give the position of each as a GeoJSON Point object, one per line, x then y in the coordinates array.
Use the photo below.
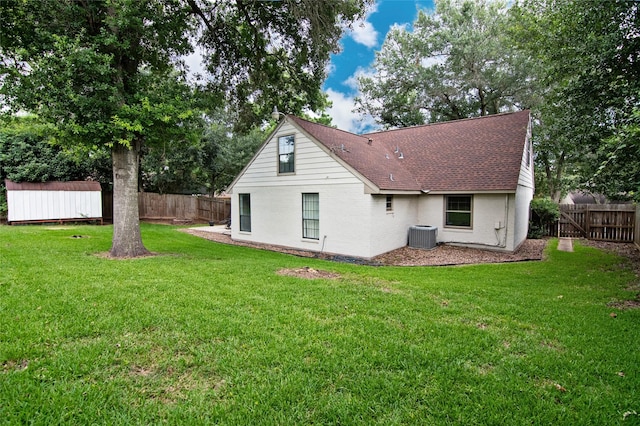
{"type": "Point", "coordinates": [506, 220]}
{"type": "Point", "coordinates": [503, 243]}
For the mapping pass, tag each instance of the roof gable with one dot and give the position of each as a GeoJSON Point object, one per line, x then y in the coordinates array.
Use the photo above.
{"type": "Point", "coordinates": [477, 154]}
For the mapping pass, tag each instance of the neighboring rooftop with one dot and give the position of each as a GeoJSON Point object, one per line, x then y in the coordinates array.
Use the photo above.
{"type": "Point", "coordinates": [52, 186]}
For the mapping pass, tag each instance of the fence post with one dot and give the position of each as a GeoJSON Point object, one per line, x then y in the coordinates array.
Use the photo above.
{"type": "Point", "coordinates": [587, 221]}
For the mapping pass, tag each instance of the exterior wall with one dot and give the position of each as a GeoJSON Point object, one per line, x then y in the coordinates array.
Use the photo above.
{"type": "Point", "coordinates": [390, 230]}
{"type": "Point", "coordinates": [524, 195]}
{"type": "Point", "coordinates": [51, 205]}
{"type": "Point", "coordinates": [276, 218]}
{"type": "Point", "coordinates": [493, 221]}
{"type": "Point", "coordinates": [312, 165]}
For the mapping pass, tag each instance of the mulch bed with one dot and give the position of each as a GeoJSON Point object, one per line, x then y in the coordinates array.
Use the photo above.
{"type": "Point", "coordinates": [405, 256]}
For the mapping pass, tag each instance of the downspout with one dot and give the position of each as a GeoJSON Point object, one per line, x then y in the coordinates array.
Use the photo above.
{"type": "Point", "coordinates": [503, 243]}
{"type": "Point", "coordinates": [506, 220]}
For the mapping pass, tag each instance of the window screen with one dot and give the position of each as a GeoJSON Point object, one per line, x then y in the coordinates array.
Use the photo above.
{"type": "Point", "coordinates": [311, 216]}
{"type": "Point", "coordinates": [458, 210]}
{"type": "Point", "coordinates": [245, 212]}
{"type": "Point", "coordinates": [286, 154]}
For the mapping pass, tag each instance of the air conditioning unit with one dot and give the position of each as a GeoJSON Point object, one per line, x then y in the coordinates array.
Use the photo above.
{"type": "Point", "coordinates": [423, 236]}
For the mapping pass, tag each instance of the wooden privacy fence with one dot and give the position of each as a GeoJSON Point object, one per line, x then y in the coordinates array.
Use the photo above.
{"type": "Point", "coordinates": [175, 207]}
{"type": "Point", "coordinates": [166, 206]}
{"type": "Point", "coordinates": [213, 209]}
{"type": "Point", "coordinates": [604, 222]}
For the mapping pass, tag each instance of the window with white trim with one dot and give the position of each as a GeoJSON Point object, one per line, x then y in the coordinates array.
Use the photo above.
{"type": "Point", "coordinates": [245, 212]}
{"type": "Point", "coordinates": [458, 211]}
{"type": "Point", "coordinates": [389, 203]}
{"type": "Point", "coordinates": [286, 154]}
{"type": "Point", "coordinates": [311, 216]}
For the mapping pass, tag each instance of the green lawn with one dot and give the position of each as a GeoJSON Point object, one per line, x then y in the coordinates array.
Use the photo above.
{"type": "Point", "coordinates": [207, 333]}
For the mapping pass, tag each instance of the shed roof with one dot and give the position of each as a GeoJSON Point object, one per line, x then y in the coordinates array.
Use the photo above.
{"type": "Point", "coordinates": [77, 185]}
{"type": "Point", "coordinates": [476, 154]}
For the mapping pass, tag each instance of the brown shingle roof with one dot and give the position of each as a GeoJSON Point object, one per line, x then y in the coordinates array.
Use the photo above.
{"type": "Point", "coordinates": [374, 161]}
{"type": "Point", "coordinates": [477, 154]}
{"type": "Point", "coordinates": [52, 186]}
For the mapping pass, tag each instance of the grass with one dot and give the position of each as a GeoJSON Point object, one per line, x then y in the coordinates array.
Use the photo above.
{"type": "Point", "coordinates": [208, 333]}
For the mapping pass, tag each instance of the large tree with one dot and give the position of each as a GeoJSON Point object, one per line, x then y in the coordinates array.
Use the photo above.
{"type": "Point", "coordinates": [456, 62]}
{"type": "Point", "coordinates": [103, 71]}
{"type": "Point", "coordinates": [588, 56]}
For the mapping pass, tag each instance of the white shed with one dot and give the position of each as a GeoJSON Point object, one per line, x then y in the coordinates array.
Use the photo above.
{"type": "Point", "coordinates": [53, 201]}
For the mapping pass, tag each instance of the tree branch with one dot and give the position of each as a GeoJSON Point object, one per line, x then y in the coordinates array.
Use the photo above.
{"type": "Point", "coordinates": [197, 11]}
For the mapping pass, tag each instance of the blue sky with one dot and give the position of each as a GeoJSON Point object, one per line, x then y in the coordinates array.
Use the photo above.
{"type": "Point", "coordinates": [358, 50]}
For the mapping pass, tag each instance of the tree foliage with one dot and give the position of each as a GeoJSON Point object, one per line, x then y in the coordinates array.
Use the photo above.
{"type": "Point", "coordinates": [618, 175]}
{"type": "Point", "coordinates": [454, 63]}
{"type": "Point", "coordinates": [206, 166]}
{"type": "Point", "coordinates": [588, 56]}
{"type": "Point", "coordinates": [544, 212]}
{"type": "Point", "coordinates": [271, 52]}
{"type": "Point", "coordinates": [227, 154]}
{"type": "Point", "coordinates": [27, 153]}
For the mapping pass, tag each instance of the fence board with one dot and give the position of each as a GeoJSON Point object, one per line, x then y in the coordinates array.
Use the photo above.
{"type": "Point", "coordinates": [637, 234]}
{"type": "Point", "coordinates": [213, 209]}
{"type": "Point", "coordinates": [605, 222]}
{"type": "Point", "coordinates": [175, 206]}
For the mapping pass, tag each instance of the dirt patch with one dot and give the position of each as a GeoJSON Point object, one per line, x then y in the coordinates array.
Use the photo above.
{"type": "Point", "coordinates": [107, 255]}
{"type": "Point", "coordinates": [627, 304]}
{"type": "Point", "coordinates": [308, 273]}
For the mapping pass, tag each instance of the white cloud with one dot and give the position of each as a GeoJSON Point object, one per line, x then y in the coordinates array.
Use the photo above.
{"type": "Point", "coordinates": [344, 117]}
{"type": "Point", "coordinates": [352, 81]}
{"type": "Point", "coordinates": [329, 68]}
{"type": "Point", "coordinates": [364, 33]}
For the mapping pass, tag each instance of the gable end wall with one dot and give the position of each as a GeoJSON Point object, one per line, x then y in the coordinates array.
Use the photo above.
{"type": "Point", "coordinates": [276, 200]}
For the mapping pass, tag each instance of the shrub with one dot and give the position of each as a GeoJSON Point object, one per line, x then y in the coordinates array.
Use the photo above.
{"type": "Point", "coordinates": [544, 212]}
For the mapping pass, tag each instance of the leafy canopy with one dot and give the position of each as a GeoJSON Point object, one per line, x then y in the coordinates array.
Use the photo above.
{"type": "Point", "coordinates": [454, 63]}
{"type": "Point", "coordinates": [100, 69]}
{"type": "Point", "coordinates": [588, 57]}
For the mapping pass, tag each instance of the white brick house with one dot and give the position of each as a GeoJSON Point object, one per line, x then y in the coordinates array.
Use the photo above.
{"type": "Point", "coordinates": [316, 188]}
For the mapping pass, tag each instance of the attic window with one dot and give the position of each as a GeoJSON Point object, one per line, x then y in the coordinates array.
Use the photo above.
{"type": "Point", "coordinates": [286, 154]}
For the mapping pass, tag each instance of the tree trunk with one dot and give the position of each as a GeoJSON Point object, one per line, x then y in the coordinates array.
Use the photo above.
{"type": "Point", "coordinates": [127, 241]}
